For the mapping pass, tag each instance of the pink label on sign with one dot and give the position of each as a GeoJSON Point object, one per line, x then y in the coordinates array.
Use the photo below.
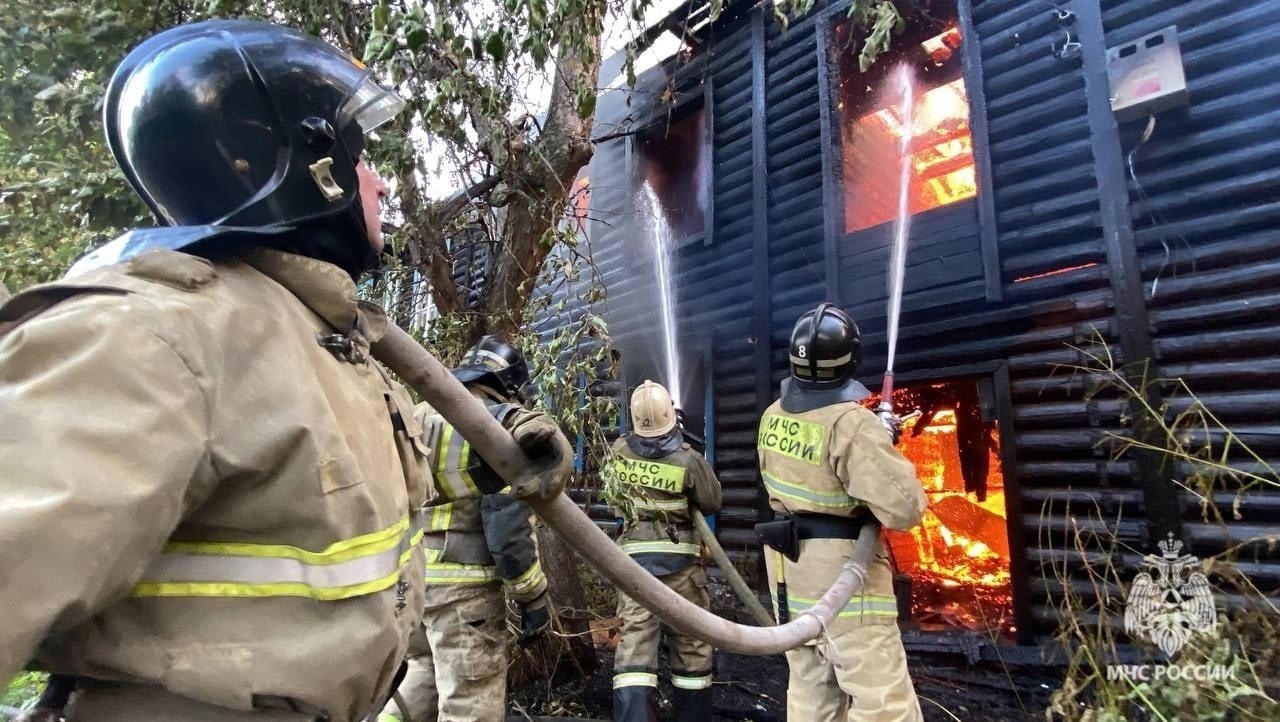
{"type": "Point", "coordinates": [1148, 86]}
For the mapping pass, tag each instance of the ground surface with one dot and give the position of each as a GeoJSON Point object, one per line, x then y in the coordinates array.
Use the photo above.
{"type": "Point", "coordinates": [754, 688]}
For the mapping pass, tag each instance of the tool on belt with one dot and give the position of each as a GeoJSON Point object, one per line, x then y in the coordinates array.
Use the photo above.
{"type": "Point", "coordinates": [784, 609]}
{"type": "Point", "coordinates": [786, 533]}
{"type": "Point", "coordinates": [784, 536]}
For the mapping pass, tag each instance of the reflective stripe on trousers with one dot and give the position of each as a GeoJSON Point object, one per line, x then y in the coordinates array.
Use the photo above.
{"type": "Point", "coordinates": [349, 568]}
{"type": "Point", "coordinates": [635, 679]}
{"type": "Point", "coordinates": [688, 681]}
{"type": "Point", "coordinates": [871, 605]}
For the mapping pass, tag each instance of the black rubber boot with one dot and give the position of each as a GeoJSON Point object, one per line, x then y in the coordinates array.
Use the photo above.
{"type": "Point", "coordinates": [693, 705]}
{"type": "Point", "coordinates": [636, 704]}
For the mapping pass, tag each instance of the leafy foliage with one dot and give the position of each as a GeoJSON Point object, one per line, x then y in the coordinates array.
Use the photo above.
{"type": "Point", "coordinates": [23, 690]}
{"type": "Point", "coordinates": [1204, 456]}
{"type": "Point", "coordinates": [879, 19]}
{"type": "Point", "coordinates": [59, 188]}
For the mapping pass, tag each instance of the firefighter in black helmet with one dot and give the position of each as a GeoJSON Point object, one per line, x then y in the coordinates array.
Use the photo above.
{"type": "Point", "coordinates": [227, 486]}
{"type": "Point", "coordinates": [828, 465]}
{"type": "Point", "coordinates": [476, 549]}
{"type": "Point", "coordinates": [497, 367]}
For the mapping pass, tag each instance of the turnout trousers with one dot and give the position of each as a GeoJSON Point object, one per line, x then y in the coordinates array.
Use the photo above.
{"type": "Point", "coordinates": [858, 670]}
{"type": "Point", "coordinates": [458, 660]}
{"type": "Point", "coordinates": [635, 666]}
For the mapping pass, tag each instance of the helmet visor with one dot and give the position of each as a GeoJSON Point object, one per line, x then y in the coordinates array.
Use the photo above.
{"type": "Point", "coordinates": [370, 105]}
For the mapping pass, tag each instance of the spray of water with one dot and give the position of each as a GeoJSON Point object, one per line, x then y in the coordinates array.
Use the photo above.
{"type": "Point", "coordinates": [661, 245]}
{"type": "Point", "coordinates": [903, 82]}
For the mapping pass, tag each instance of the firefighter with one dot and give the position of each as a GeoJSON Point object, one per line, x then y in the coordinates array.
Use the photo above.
{"type": "Point", "coordinates": [664, 482]}
{"type": "Point", "coordinates": [475, 548]}
{"type": "Point", "coordinates": [828, 466]}
{"type": "Point", "coordinates": [210, 491]}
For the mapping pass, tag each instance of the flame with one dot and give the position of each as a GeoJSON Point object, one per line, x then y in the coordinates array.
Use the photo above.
{"type": "Point", "coordinates": [941, 153]}
{"type": "Point", "coordinates": [944, 422]}
{"type": "Point", "coordinates": [956, 559]}
{"type": "Point", "coordinates": [956, 581]}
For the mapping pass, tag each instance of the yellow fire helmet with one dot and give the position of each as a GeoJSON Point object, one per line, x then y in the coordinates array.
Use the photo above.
{"type": "Point", "coordinates": [652, 411]}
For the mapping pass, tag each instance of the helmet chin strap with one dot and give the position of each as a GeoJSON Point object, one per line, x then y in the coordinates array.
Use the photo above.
{"type": "Point", "coordinates": [491, 393]}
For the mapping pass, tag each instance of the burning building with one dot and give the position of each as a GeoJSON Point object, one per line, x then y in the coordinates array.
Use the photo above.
{"type": "Point", "coordinates": [1040, 223]}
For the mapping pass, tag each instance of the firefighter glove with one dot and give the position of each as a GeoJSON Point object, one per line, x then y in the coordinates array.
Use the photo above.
{"type": "Point", "coordinates": [535, 619]}
{"type": "Point", "coordinates": [549, 452]}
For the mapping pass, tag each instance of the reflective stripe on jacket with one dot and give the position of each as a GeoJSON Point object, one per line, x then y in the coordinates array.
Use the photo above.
{"type": "Point", "coordinates": [478, 540]}
{"type": "Point", "coordinates": [174, 429]}
{"type": "Point", "coordinates": [663, 492]}
{"type": "Point", "coordinates": [350, 568]}
{"type": "Point", "coordinates": [836, 460]}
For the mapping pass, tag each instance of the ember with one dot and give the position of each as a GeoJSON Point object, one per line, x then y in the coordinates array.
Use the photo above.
{"type": "Point", "coordinates": [957, 559]}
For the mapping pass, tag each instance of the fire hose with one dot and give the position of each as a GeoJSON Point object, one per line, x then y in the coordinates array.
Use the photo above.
{"type": "Point", "coordinates": [731, 572]}
{"type": "Point", "coordinates": [709, 540]}
{"type": "Point", "coordinates": [425, 374]}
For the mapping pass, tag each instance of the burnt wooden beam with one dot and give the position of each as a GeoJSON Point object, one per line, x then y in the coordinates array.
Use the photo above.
{"type": "Point", "coordinates": [709, 153]}
{"type": "Point", "coordinates": [971, 59]}
{"type": "Point", "coordinates": [761, 317]}
{"type": "Point", "coordinates": [829, 126]}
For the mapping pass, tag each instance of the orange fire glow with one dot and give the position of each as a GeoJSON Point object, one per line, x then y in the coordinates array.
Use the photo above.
{"type": "Point", "coordinates": [941, 151]}
{"type": "Point", "coordinates": [1054, 272]}
{"type": "Point", "coordinates": [959, 568]}
{"type": "Point", "coordinates": [956, 558]}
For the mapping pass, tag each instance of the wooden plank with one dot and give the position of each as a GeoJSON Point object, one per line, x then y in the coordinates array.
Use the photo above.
{"type": "Point", "coordinates": [973, 80]}
{"type": "Point", "coordinates": [868, 249]}
{"type": "Point", "coordinates": [936, 272]}
{"type": "Point", "coordinates": [761, 313]}
{"type": "Point", "coordinates": [708, 150]}
{"type": "Point", "coordinates": [831, 151]}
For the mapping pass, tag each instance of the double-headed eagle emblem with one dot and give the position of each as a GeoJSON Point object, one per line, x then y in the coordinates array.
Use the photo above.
{"type": "Point", "coordinates": [1170, 601]}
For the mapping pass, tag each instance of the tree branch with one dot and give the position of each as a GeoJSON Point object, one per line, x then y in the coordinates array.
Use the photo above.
{"type": "Point", "coordinates": [459, 201]}
{"type": "Point", "coordinates": [624, 133]}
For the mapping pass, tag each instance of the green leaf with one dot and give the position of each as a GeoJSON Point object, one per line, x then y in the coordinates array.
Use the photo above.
{"type": "Point", "coordinates": [586, 103]}
{"type": "Point", "coordinates": [374, 47]}
{"type": "Point", "coordinates": [416, 38]}
{"type": "Point", "coordinates": [496, 45]}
